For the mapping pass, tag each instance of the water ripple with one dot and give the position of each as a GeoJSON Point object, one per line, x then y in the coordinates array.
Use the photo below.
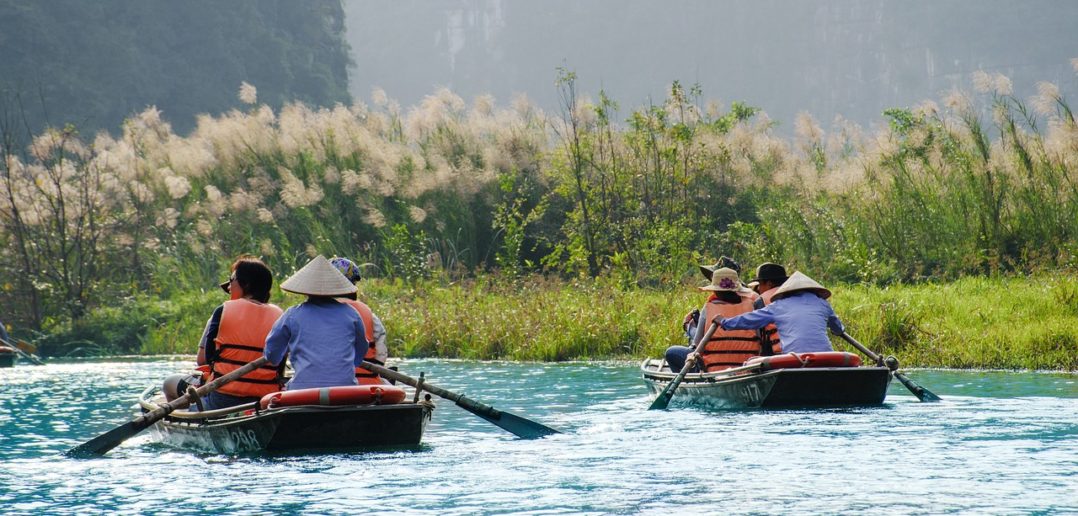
{"type": "Point", "coordinates": [999, 443]}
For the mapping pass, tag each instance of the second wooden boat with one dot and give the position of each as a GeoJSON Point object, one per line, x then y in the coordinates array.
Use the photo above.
{"type": "Point", "coordinates": [784, 381]}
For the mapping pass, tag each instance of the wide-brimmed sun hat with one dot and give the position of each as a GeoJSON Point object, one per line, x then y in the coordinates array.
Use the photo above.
{"type": "Point", "coordinates": [772, 272]}
{"type": "Point", "coordinates": [724, 279]}
{"type": "Point", "coordinates": [318, 278]}
{"type": "Point", "coordinates": [799, 282]}
{"type": "Point", "coordinates": [347, 267]}
{"type": "Point", "coordinates": [724, 261]}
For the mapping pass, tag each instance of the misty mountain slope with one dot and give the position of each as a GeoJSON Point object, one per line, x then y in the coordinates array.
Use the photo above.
{"type": "Point", "coordinates": [94, 63]}
{"type": "Point", "coordinates": [854, 58]}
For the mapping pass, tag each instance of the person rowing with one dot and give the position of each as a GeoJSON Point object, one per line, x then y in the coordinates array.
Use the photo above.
{"type": "Point", "coordinates": [800, 311]}
{"type": "Point", "coordinates": [726, 348]}
{"type": "Point", "coordinates": [692, 319]}
{"type": "Point", "coordinates": [325, 338]}
{"type": "Point", "coordinates": [235, 335]}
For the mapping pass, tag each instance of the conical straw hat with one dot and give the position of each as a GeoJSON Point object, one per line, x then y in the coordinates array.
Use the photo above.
{"type": "Point", "coordinates": [799, 282]}
{"type": "Point", "coordinates": [723, 279]}
{"type": "Point", "coordinates": [318, 278]}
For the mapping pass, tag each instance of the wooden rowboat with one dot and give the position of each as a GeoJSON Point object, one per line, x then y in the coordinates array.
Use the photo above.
{"type": "Point", "coordinates": [761, 386]}
{"type": "Point", "coordinates": [251, 428]}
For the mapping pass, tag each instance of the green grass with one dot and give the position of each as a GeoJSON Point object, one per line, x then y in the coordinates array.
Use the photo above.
{"type": "Point", "coordinates": [1008, 323]}
{"type": "Point", "coordinates": [977, 322]}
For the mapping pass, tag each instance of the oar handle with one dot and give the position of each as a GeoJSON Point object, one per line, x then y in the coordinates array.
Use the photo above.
{"type": "Point", "coordinates": [24, 354]}
{"type": "Point", "coordinates": [892, 364]}
{"type": "Point", "coordinates": [185, 400]}
{"type": "Point", "coordinates": [861, 347]}
{"type": "Point", "coordinates": [459, 399]}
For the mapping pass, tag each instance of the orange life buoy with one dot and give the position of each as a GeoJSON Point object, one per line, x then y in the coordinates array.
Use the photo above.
{"type": "Point", "coordinates": [331, 396]}
{"type": "Point", "coordinates": [797, 360]}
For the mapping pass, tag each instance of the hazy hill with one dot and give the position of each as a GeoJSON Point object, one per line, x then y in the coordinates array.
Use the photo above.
{"type": "Point", "coordinates": [850, 57]}
{"type": "Point", "coordinates": [92, 63]}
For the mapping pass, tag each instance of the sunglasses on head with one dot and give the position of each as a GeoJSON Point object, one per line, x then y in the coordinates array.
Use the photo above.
{"type": "Point", "coordinates": [227, 286]}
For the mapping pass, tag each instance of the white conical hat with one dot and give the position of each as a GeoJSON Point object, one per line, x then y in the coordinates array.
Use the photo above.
{"type": "Point", "coordinates": [799, 282]}
{"type": "Point", "coordinates": [318, 278]}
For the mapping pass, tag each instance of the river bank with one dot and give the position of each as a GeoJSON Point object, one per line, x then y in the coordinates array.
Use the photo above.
{"type": "Point", "coordinates": [977, 322]}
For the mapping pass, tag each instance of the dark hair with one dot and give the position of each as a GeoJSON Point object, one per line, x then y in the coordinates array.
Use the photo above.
{"type": "Point", "coordinates": [254, 277]}
{"type": "Point", "coordinates": [728, 297]}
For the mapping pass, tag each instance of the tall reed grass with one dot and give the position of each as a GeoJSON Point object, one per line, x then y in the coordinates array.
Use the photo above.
{"type": "Point", "coordinates": [448, 190]}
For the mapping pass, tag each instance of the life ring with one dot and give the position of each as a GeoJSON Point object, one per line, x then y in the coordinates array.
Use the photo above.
{"type": "Point", "coordinates": [334, 396]}
{"type": "Point", "coordinates": [798, 360]}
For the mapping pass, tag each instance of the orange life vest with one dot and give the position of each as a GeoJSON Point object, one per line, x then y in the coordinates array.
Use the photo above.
{"type": "Point", "coordinates": [365, 376]}
{"type": "Point", "coordinates": [241, 338]}
{"type": "Point", "coordinates": [770, 333]}
{"type": "Point", "coordinates": [729, 348]}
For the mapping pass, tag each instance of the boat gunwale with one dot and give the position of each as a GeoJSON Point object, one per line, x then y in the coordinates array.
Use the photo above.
{"type": "Point", "coordinates": [236, 414]}
{"type": "Point", "coordinates": [737, 374]}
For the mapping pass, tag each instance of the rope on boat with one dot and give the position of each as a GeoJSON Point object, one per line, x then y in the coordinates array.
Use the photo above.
{"type": "Point", "coordinates": [419, 388]}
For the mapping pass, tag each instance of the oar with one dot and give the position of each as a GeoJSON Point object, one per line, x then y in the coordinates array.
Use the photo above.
{"type": "Point", "coordinates": [921, 393]}
{"type": "Point", "coordinates": [24, 354]}
{"type": "Point", "coordinates": [663, 399]}
{"type": "Point", "coordinates": [101, 444]}
{"type": "Point", "coordinates": [516, 425]}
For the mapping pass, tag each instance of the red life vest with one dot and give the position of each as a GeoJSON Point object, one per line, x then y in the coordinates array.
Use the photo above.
{"type": "Point", "coordinates": [770, 333]}
{"type": "Point", "coordinates": [363, 375]}
{"type": "Point", "coordinates": [729, 348]}
{"type": "Point", "coordinates": [241, 338]}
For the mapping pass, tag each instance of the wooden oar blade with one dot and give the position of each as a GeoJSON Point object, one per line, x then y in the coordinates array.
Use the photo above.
{"type": "Point", "coordinates": [521, 427]}
{"type": "Point", "coordinates": [516, 425]}
{"type": "Point", "coordinates": [101, 444]}
{"type": "Point", "coordinates": [663, 399]}
{"type": "Point", "coordinates": [922, 394]}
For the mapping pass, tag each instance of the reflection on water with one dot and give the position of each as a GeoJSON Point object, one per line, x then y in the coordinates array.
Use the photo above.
{"type": "Point", "coordinates": [996, 440]}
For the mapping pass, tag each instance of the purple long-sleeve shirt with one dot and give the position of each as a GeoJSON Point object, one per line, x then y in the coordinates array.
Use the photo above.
{"type": "Point", "coordinates": [325, 339]}
{"type": "Point", "coordinates": [802, 319]}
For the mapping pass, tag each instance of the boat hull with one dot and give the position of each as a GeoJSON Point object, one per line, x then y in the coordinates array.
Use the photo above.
{"type": "Point", "coordinates": [780, 388]}
{"type": "Point", "coordinates": [301, 428]}
{"type": "Point", "coordinates": [7, 359]}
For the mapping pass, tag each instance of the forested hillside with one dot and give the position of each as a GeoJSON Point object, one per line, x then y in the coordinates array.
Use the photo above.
{"type": "Point", "coordinates": [92, 64]}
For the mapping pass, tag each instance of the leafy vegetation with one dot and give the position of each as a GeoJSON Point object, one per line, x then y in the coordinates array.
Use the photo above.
{"type": "Point", "coordinates": [976, 322]}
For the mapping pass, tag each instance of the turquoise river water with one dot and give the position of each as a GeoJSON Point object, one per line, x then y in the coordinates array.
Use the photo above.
{"type": "Point", "coordinates": [999, 443]}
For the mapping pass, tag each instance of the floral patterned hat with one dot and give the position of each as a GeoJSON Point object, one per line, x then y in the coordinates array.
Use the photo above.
{"type": "Point", "coordinates": [724, 279]}
{"type": "Point", "coordinates": [347, 267]}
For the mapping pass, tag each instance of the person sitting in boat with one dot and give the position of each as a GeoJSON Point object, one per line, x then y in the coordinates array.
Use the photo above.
{"type": "Point", "coordinates": [769, 277]}
{"type": "Point", "coordinates": [725, 348]}
{"type": "Point", "coordinates": [325, 338]}
{"type": "Point", "coordinates": [692, 319]}
{"type": "Point", "coordinates": [236, 334]}
{"type": "Point", "coordinates": [800, 311]}
{"type": "Point", "coordinates": [377, 351]}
